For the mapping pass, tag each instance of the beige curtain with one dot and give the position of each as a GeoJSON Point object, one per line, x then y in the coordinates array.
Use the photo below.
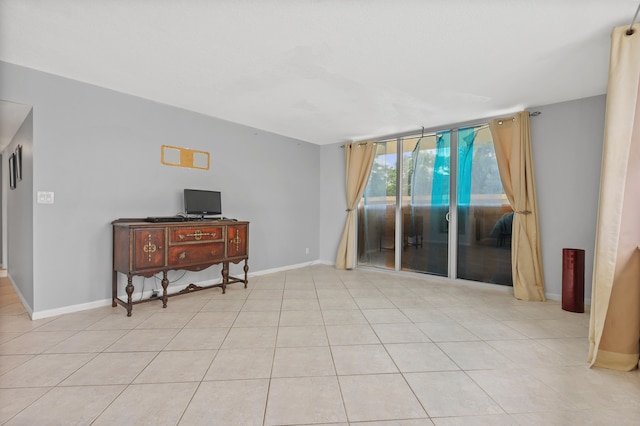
{"type": "Point", "coordinates": [512, 140]}
{"type": "Point", "coordinates": [359, 160]}
{"type": "Point", "coordinates": [615, 298]}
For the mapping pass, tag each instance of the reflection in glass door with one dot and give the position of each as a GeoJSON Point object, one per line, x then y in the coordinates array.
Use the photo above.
{"type": "Point", "coordinates": [425, 203]}
{"type": "Point", "coordinates": [484, 214]}
{"type": "Point", "coordinates": [377, 210]}
{"type": "Point", "coordinates": [420, 182]}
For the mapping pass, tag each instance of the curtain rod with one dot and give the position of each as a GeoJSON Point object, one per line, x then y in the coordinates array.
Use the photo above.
{"type": "Point", "coordinates": [439, 128]}
{"type": "Point", "coordinates": [630, 31]}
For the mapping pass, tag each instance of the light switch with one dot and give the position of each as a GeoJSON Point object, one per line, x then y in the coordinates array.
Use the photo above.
{"type": "Point", "coordinates": [45, 197]}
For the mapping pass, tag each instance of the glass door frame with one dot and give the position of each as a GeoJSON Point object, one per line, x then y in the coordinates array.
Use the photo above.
{"type": "Point", "coordinates": [453, 206]}
{"type": "Point", "coordinates": [398, 230]}
{"type": "Point", "coordinates": [452, 222]}
{"type": "Point", "coordinates": [455, 252]}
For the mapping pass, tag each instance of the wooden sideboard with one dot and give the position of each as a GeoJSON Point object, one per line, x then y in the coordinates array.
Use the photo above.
{"type": "Point", "coordinates": [143, 248]}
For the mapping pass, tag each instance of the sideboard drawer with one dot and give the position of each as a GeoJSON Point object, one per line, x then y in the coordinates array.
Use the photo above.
{"type": "Point", "coordinates": [196, 234]}
{"type": "Point", "coordinates": [192, 254]}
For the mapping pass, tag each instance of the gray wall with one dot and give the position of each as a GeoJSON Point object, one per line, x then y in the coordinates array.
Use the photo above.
{"type": "Point", "coordinates": [567, 152]}
{"type": "Point", "coordinates": [99, 152]}
{"type": "Point", "coordinates": [20, 235]}
{"type": "Point", "coordinates": [333, 202]}
{"type": "Point", "coordinates": [567, 149]}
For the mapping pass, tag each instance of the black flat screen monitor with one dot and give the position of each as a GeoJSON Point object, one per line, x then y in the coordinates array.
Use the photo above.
{"type": "Point", "coordinates": [202, 203]}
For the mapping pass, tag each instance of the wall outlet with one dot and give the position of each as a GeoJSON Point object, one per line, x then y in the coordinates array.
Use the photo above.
{"type": "Point", "coordinates": [45, 197]}
{"type": "Point", "coordinates": [306, 251]}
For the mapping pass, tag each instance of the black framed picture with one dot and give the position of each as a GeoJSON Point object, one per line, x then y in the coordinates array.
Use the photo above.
{"type": "Point", "coordinates": [12, 171]}
{"type": "Point", "coordinates": [18, 163]}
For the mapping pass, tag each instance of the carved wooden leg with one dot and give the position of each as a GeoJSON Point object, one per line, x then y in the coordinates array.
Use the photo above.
{"type": "Point", "coordinates": [114, 288]}
{"type": "Point", "coordinates": [165, 284]}
{"type": "Point", "coordinates": [225, 276]}
{"type": "Point", "coordinates": [129, 290]}
{"type": "Point", "coordinates": [246, 269]}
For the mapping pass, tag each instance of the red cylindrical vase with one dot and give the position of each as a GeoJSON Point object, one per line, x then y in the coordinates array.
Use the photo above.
{"type": "Point", "coordinates": [573, 280]}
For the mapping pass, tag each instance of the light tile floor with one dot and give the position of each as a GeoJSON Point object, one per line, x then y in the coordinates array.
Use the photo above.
{"type": "Point", "coordinates": [311, 346]}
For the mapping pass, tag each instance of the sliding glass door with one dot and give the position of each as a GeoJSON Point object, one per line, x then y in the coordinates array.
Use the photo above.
{"type": "Point", "coordinates": [377, 210]}
{"type": "Point", "coordinates": [425, 203]}
{"type": "Point", "coordinates": [484, 214]}
{"type": "Point", "coordinates": [427, 211]}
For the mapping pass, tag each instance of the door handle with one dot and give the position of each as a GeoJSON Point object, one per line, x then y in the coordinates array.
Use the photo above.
{"type": "Point", "coordinates": [447, 216]}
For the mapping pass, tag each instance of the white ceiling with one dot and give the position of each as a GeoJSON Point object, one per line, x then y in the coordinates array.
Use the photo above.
{"type": "Point", "coordinates": [324, 71]}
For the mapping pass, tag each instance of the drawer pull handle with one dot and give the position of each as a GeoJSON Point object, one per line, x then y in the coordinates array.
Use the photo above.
{"type": "Point", "coordinates": [183, 255]}
{"type": "Point", "coordinates": [198, 234]}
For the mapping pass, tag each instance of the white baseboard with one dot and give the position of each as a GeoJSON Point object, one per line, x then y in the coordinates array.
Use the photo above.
{"type": "Point", "coordinates": [70, 309]}
{"type": "Point", "coordinates": [284, 268]}
{"type": "Point", "coordinates": [553, 296]}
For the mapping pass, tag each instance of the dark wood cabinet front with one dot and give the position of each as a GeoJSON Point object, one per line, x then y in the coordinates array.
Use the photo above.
{"type": "Point", "coordinates": [237, 240]}
{"type": "Point", "coordinates": [148, 248]}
